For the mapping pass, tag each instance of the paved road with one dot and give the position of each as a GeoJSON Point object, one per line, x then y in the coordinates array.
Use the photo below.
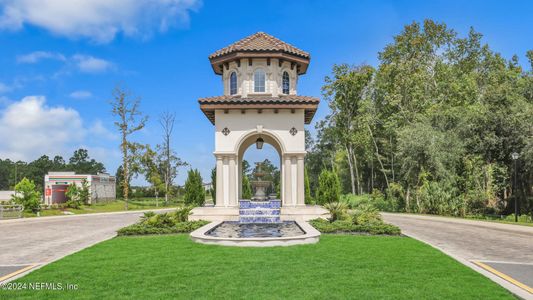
{"type": "Point", "coordinates": [505, 247]}
{"type": "Point", "coordinates": [42, 240]}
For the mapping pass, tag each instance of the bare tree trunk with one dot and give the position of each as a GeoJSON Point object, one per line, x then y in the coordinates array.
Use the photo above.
{"type": "Point", "coordinates": [167, 123]}
{"type": "Point", "coordinates": [359, 186]}
{"type": "Point", "coordinates": [350, 164]}
{"type": "Point", "coordinates": [377, 155]}
{"type": "Point", "coordinates": [130, 119]}
{"type": "Point", "coordinates": [407, 199]}
{"type": "Point", "coordinates": [392, 159]}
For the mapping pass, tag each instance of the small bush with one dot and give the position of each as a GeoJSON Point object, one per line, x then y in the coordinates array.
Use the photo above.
{"type": "Point", "coordinates": [346, 226]}
{"type": "Point", "coordinates": [27, 195]}
{"type": "Point", "coordinates": [337, 210]}
{"type": "Point", "coordinates": [142, 229]}
{"type": "Point", "coordinates": [171, 222]}
{"type": "Point", "coordinates": [366, 215]}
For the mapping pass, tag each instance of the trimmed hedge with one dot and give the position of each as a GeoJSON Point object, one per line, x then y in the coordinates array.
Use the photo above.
{"type": "Point", "coordinates": [143, 229]}
{"type": "Point", "coordinates": [347, 226]}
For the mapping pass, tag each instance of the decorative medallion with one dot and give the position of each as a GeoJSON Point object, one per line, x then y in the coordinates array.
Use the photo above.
{"type": "Point", "coordinates": [293, 131]}
{"type": "Point", "coordinates": [225, 131]}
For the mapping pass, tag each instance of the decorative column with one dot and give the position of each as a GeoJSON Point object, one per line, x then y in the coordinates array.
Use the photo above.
{"type": "Point", "coordinates": [301, 181]}
{"type": "Point", "coordinates": [219, 183]}
{"type": "Point", "coordinates": [288, 184]}
{"type": "Point", "coordinates": [232, 182]}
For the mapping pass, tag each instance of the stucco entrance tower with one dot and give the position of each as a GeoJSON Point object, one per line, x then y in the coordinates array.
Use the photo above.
{"type": "Point", "coordinates": [260, 104]}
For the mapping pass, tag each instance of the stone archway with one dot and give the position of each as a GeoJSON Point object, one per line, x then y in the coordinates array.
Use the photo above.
{"type": "Point", "coordinates": [247, 141]}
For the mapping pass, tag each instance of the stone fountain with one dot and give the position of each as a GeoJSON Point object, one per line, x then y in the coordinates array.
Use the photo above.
{"type": "Point", "coordinates": [261, 209]}
{"type": "Point", "coordinates": [259, 185]}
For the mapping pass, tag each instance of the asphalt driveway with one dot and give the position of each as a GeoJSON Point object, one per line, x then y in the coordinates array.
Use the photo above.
{"type": "Point", "coordinates": [499, 251]}
{"type": "Point", "coordinates": [37, 241]}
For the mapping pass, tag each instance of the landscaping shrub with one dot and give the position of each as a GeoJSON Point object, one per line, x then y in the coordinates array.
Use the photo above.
{"type": "Point", "coordinates": [366, 215]}
{"type": "Point", "coordinates": [194, 190]}
{"type": "Point", "coordinates": [346, 226]}
{"type": "Point", "coordinates": [337, 210]}
{"type": "Point", "coordinates": [27, 195]}
{"type": "Point", "coordinates": [329, 187]}
{"type": "Point", "coordinates": [170, 222]}
{"type": "Point", "coordinates": [141, 229]}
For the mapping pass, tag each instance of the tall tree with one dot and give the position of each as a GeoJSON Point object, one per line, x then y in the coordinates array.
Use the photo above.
{"type": "Point", "coordinates": [129, 120]}
{"type": "Point", "coordinates": [170, 161]}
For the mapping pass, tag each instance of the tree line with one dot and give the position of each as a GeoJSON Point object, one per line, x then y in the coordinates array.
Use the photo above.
{"type": "Point", "coordinates": [12, 172]}
{"type": "Point", "coordinates": [433, 127]}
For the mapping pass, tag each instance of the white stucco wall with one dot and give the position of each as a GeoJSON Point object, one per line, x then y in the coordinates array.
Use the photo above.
{"type": "Point", "coordinates": [279, 124]}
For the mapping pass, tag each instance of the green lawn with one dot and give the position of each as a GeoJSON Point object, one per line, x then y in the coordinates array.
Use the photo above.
{"type": "Point", "coordinates": [338, 267]}
{"type": "Point", "coordinates": [117, 205]}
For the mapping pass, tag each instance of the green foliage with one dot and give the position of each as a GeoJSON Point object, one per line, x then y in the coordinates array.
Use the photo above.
{"type": "Point", "coordinates": [337, 210]}
{"type": "Point", "coordinates": [366, 214]}
{"type": "Point", "coordinates": [27, 195]}
{"type": "Point", "coordinates": [73, 197]}
{"type": "Point", "coordinates": [194, 190]}
{"type": "Point", "coordinates": [433, 126]}
{"type": "Point", "coordinates": [308, 198]}
{"type": "Point", "coordinates": [140, 229]}
{"type": "Point", "coordinates": [182, 214]}
{"type": "Point", "coordinates": [213, 190]}
{"type": "Point", "coordinates": [246, 188]}
{"type": "Point", "coordinates": [11, 172]}
{"type": "Point", "coordinates": [328, 187]}
{"type": "Point", "coordinates": [171, 222]}
{"type": "Point", "coordinates": [325, 226]}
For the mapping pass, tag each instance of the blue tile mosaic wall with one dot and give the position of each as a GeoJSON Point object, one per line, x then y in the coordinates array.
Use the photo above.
{"type": "Point", "coordinates": [259, 211]}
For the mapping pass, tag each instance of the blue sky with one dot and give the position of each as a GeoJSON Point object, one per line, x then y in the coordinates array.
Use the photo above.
{"type": "Point", "coordinates": [59, 60]}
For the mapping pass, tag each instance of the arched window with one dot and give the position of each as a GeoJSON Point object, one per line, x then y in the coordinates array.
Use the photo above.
{"type": "Point", "coordinates": [285, 84]}
{"type": "Point", "coordinates": [259, 81]}
{"type": "Point", "coordinates": [233, 83]}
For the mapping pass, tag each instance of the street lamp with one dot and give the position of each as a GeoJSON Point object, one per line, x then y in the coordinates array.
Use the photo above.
{"type": "Point", "coordinates": [515, 156]}
{"type": "Point", "coordinates": [259, 143]}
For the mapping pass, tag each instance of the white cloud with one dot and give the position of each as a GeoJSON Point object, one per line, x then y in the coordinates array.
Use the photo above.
{"type": "Point", "coordinates": [98, 20]}
{"type": "Point", "coordinates": [29, 128]}
{"type": "Point", "coordinates": [98, 130]}
{"type": "Point", "coordinates": [90, 64]}
{"type": "Point", "coordinates": [36, 56]}
{"type": "Point", "coordinates": [81, 94]}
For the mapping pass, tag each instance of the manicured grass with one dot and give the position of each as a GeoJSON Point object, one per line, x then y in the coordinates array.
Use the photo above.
{"type": "Point", "coordinates": [112, 206]}
{"type": "Point", "coordinates": [338, 267]}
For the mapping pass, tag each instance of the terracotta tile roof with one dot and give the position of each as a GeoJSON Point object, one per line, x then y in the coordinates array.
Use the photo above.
{"type": "Point", "coordinates": [260, 42]}
{"type": "Point", "coordinates": [288, 99]}
{"type": "Point", "coordinates": [308, 104]}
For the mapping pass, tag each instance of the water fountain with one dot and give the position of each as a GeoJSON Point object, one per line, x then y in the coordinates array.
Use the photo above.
{"type": "Point", "coordinates": [260, 209]}
{"type": "Point", "coordinates": [259, 223]}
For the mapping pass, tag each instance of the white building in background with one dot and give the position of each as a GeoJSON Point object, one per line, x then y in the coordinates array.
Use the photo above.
{"type": "Point", "coordinates": [102, 186]}
{"type": "Point", "coordinates": [5, 196]}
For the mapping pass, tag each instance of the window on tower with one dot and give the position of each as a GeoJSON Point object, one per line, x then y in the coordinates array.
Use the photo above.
{"type": "Point", "coordinates": [259, 81]}
{"type": "Point", "coordinates": [233, 83]}
{"type": "Point", "coordinates": [286, 83]}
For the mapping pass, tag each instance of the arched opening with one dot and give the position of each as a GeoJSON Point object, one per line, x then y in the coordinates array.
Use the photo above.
{"type": "Point", "coordinates": [270, 155]}
{"type": "Point", "coordinates": [233, 83]}
{"type": "Point", "coordinates": [285, 84]}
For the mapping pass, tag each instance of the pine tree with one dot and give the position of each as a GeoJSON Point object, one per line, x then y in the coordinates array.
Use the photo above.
{"type": "Point", "coordinates": [194, 191]}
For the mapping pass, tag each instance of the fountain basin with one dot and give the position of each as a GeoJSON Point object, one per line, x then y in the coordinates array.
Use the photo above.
{"type": "Point", "coordinates": [229, 233]}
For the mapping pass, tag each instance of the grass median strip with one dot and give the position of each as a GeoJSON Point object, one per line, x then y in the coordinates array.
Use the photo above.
{"type": "Point", "coordinates": [338, 267]}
